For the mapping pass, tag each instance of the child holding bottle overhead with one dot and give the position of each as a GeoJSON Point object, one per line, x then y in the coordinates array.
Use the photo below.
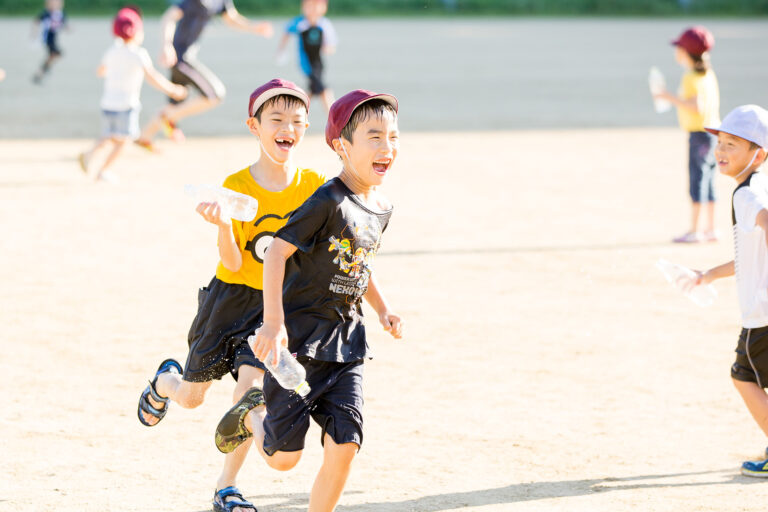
{"type": "Point", "coordinates": [698, 105]}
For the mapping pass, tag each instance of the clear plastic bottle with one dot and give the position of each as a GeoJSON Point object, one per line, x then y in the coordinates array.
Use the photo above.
{"type": "Point", "coordinates": [289, 373]}
{"type": "Point", "coordinates": [234, 205]}
{"type": "Point", "coordinates": [657, 84]}
{"type": "Point", "coordinates": [681, 278]}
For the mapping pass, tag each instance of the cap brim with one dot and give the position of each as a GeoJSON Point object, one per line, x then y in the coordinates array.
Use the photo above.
{"type": "Point", "coordinates": [277, 91]}
{"type": "Point", "coordinates": [386, 97]}
{"type": "Point", "coordinates": [713, 131]}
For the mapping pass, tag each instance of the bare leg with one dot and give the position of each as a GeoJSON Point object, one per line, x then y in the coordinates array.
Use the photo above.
{"type": "Point", "coordinates": [248, 377]}
{"type": "Point", "coordinates": [117, 147]}
{"type": "Point", "coordinates": [327, 97]}
{"type": "Point", "coordinates": [756, 400]}
{"type": "Point", "coordinates": [175, 113]}
{"type": "Point", "coordinates": [695, 211]}
{"type": "Point", "coordinates": [281, 461]}
{"type": "Point", "coordinates": [330, 481]}
{"type": "Point", "coordinates": [88, 155]}
{"type": "Point", "coordinates": [187, 394]}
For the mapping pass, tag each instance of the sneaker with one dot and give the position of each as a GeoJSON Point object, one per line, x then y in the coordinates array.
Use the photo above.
{"type": "Point", "coordinates": [690, 237]}
{"type": "Point", "coordinates": [146, 144]}
{"type": "Point", "coordinates": [172, 131]}
{"type": "Point", "coordinates": [711, 236]}
{"type": "Point", "coordinates": [757, 469]}
{"type": "Point", "coordinates": [83, 163]}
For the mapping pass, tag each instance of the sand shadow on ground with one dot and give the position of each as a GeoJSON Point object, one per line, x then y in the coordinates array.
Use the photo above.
{"type": "Point", "coordinates": [513, 493]}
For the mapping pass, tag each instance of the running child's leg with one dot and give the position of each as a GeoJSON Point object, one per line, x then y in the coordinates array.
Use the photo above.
{"type": "Point", "coordinates": [327, 98]}
{"type": "Point", "coordinates": [281, 461]}
{"type": "Point", "coordinates": [118, 143]}
{"type": "Point", "coordinates": [248, 377]}
{"type": "Point", "coordinates": [330, 481]}
{"type": "Point", "coordinates": [756, 401]}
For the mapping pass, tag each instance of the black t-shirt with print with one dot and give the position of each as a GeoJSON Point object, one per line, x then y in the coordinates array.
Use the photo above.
{"type": "Point", "coordinates": [325, 279]}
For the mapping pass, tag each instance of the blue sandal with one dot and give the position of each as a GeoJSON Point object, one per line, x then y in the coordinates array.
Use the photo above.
{"type": "Point", "coordinates": [169, 365]}
{"type": "Point", "coordinates": [221, 504]}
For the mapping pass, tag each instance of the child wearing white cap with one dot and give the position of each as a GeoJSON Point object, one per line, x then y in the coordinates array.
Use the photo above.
{"type": "Point", "coordinates": [742, 140]}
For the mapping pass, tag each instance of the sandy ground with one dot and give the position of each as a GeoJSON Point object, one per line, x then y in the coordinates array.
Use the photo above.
{"type": "Point", "coordinates": [546, 366]}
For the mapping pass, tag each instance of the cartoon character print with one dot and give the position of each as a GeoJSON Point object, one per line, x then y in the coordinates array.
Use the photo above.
{"type": "Point", "coordinates": [357, 263]}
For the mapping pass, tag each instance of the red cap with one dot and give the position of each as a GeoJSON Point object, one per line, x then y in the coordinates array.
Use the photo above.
{"type": "Point", "coordinates": [127, 23]}
{"type": "Point", "coordinates": [342, 110]}
{"type": "Point", "coordinates": [275, 87]}
{"type": "Point", "coordinates": [695, 40]}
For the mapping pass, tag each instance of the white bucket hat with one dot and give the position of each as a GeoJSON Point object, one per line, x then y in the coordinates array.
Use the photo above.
{"type": "Point", "coordinates": [749, 122]}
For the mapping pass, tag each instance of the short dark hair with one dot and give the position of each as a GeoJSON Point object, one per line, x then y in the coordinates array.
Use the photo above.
{"type": "Point", "coordinates": [372, 108]}
{"type": "Point", "coordinates": [753, 145]}
{"type": "Point", "coordinates": [287, 100]}
{"type": "Point", "coordinates": [701, 63]}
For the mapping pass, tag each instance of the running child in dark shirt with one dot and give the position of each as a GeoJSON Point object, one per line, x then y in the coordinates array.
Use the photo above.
{"type": "Point", "coordinates": [316, 38]}
{"type": "Point", "coordinates": [316, 272]}
{"type": "Point", "coordinates": [49, 22]}
{"type": "Point", "coordinates": [180, 28]}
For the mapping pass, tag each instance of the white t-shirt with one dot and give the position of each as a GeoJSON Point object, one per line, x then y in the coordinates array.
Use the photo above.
{"type": "Point", "coordinates": [751, 259]}
{"type": "Point", "coordinates": [125, 65]}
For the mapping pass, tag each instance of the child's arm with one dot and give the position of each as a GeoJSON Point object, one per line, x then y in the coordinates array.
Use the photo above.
{"type": "Point", "coordinates": [229, 252]}
{"type": "Point", "coordinates": [159, 82]}
{"type": "Point", "coordinates": [168, 22]}
{"type": "Point", "coordinates": [272, 332]}
{"type": "Point", "coordinates": [391, 322]}
{"type": "Point", "coordinates": [101, 71]}
{"type": "Point", "coordinates": [718, 272]}
{"type": "Point", "coordinates": [236, 20]}
{"type": "Point", "coordinates": [691, 104]}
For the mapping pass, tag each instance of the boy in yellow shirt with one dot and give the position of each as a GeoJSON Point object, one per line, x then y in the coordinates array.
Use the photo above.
{"type": "Point", "coordinates": [698, 105]}
{"type": "Point", "coordinates": [230, 307]}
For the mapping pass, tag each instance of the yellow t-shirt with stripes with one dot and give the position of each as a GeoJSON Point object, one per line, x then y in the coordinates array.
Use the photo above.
{"type": "Point", "coordinates": [274, 209]}
{"type": "Point", "coordinates": [703, 87]}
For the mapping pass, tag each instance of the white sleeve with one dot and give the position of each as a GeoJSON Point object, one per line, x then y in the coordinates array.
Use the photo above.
{"type": "Point", "coordinates": [329, 34]}
{"type": "Point", "coordinates": [746, 205]}
{"type": "Point", "coordinates": [146, 60]}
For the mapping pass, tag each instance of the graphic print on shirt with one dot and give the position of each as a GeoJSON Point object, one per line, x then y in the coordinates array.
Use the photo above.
{"type": "Point", "coordinates": [355, 250]}
{"type": "Point", "coordinates": [257, 245]}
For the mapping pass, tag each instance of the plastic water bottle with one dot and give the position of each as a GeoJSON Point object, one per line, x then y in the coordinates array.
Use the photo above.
{"type": "Point", "coordinates": [288, 373]}
{"type": "Point", "coordinates": [234, 205]}
{"type": "Point", "coordinates": [680, 276]}
{"type": "Point", "coordinates": [657, 84]}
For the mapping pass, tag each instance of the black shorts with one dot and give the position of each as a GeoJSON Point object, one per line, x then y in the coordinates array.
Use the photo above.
{"type": "Point", "coordinates": [752, 357]}
{"type": "Point", "coordinates": [191, 72]}
{"type": "Point", "coordinates": [218, 338]}
{"type": "Point", "coordinates": [316, 84]}
{"type": "Point", "coordinates": [52, 44]}
{"type": "Point", "coordinates": [335, 402]}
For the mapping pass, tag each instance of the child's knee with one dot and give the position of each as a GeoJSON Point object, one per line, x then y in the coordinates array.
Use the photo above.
{"type": "Point", "coordinates": [191, 394]}
{"type": "Point", "coordinates": [284, 461]}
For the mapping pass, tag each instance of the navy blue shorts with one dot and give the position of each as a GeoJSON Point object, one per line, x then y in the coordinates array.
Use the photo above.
{"type": "Point", "coordinates": [335, 402]}
{"type": "Point", "coordinates": [218, 338]}
{"type": "Point", "coordinates": [701, 166]}
{"type": "Point", "coordinates": [751, 363]}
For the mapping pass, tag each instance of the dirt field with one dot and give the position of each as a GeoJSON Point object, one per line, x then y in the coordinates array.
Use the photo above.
{"type": "Point", "coordinates": [547, 365]}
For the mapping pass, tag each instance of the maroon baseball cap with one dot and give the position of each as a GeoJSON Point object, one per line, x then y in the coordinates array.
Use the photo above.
{"type": "Point", "coordinates": [127, 23]}
{"type": "Point", "coordinates": [275, 87]}
{"type": "Point", "coordinates": [342, 110]}
{"type": "Point", "coordinates": [695, 40]}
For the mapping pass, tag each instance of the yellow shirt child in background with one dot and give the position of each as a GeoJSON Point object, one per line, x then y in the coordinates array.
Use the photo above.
{"type": "Point", "coordinates": [698, 105]}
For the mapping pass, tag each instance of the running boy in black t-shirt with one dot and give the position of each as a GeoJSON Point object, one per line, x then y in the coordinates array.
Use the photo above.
{"type": "Point", "coordinates": [316, 271]}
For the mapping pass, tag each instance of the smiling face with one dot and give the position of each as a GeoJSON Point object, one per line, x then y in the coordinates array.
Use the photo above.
{"type": "Point", "coordinates": [373, 145]}
{"type": "Point", "coordinates": [733, 155]}
{"type": "Point", "coordinates": [280, 124]}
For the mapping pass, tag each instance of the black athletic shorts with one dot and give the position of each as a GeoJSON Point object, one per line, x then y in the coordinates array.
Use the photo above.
{"type": "Point", "coordinates": [316, 84]}
{"type": "Point", "coordinates": [191, 72]}
{"type": "Point", "coordinates": [52, 44]}
{"type": "Point", "coordinates": [226, 315]}
{"type": "Point", "coordinates": [752, 357]}
{"type": "Point", "coordinates": [335, 402]}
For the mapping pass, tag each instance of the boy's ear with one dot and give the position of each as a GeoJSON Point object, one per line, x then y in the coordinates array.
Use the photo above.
{"type": "Point", "coordinates": [253, 124]}
{"type": "Point", "coordinates": [337, 146]}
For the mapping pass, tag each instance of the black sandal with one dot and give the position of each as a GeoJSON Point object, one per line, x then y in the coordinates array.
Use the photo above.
{"type": "Point", "coordinates": [169, 365]}
{"type": "Point", "coordinates": [231, 431]}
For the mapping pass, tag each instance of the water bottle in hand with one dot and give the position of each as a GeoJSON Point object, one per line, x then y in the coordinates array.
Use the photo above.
{"type": "Point", "coordinates": [288, 373]}
{"type": "Point", "coordinates": [234, 205]}
{"type": "Point", "coordinates": [657, 84]}
{"type": "Point", "coordinates": [682, 277]}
